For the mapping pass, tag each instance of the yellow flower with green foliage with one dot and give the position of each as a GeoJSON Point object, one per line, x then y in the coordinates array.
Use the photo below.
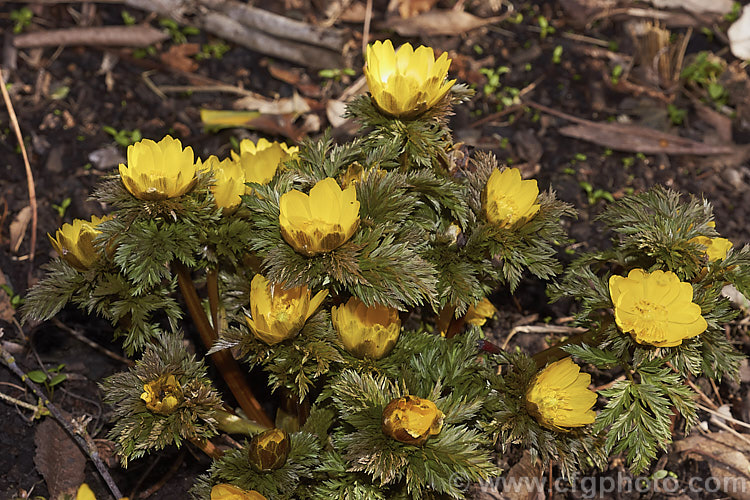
{"type": "Point", "coordinates": [369, 332]}
{"type": "Point", "coordinates": [277, 313]}
{"type": "Point", "coordinates": [321, 221]}
{"type": "Point", "coordinates": [407, 82]}
{"type": "Point", "coordinates": [229, 182]}
{"type": "Point", "coordinates": [656, 308]}
{"type": "Point", "coordinates": [268, 450]}
{"type": "Point", "coordinates": [260, 161]}
{"type": "Point", "coordinates": [225, 491]}
{"type": "Point", "coordinates": [478, 314]}
{"type": "Point", "coordinates": [412, 420]}
{"type": "Point", "coordinates": [158, 170]}
{"type": "Point", "coordinates": [162, 395]}
{"type": "Point", "coordinates": [559, 398]}
{"type": "Point", "coordinates": [716, 248]}
{"type": "Point", "coordinates": [74, 242]}
{"type": "Point", "coordinates": [508, 199]}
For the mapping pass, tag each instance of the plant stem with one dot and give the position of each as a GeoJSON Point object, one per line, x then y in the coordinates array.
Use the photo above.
{"type": "Point", "coordinates": [225, 363]}
{"type": "Point", "coordinates": [212, 284]}
{"type": "Point", "coordinates": [79, 434]}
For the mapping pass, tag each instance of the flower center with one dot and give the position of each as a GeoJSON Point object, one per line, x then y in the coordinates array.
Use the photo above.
{"type": "Point", "coordinates": [504, 209]}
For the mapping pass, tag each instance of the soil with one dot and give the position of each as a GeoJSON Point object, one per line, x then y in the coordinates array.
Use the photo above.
{"type": "Point", "coordinates": [67, 99]}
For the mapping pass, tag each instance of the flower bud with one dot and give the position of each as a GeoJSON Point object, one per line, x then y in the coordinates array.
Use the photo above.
{"type": "Point", "coordinates": [412, 420]}
{"type": "Point", "coordinates": [268, 450]}
{"type": "Point", "coordinates": [366, 331]}
{"type": "Point", "coordinates": [229, 182]}
{"type": "Point", "coordinates": [279, 314]}
{"type": "Point", "coordinates": [260, 161]}
{"type": "Point", "coordinates": [162, 395]}
{"type": "Point", "coordinates": [75, 242]}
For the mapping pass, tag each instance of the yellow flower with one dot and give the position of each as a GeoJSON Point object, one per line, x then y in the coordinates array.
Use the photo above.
{"type": "Point", "coordinates": [320, 222]}
{"type": "Point", "coordinates": [277, 313]}
{"type": "Point", "coordinates": [559, 396]}
{"type": "Point", "coordinates": [226, 491]}
{"type": "Point", "coordinates": [655, 308]}
{"type": "Point", "coordinates": [75, 242]}
{"type": "Point", "coordinates": [406, 82]}
{"type": "Point", "coordinates": [366, 331]}
{"type": "Point", "coordinates": [268, 450]}
{"type": "Point", "coordinates": [85, 493]}
{"type": "Point", "coordinates": [162, 395]}
{"type": "Point", "coordinates": [260, 161]}
{"type": "Point", "coordinates": [158, 170]}
{"type": "Point", "coordinates": [508, 199]}
{"type": "Point", "coordinates": [716, 248]}
{"type": "Point", "coordinates": [479, 313]}
{"type": "Point", "coordinates": [229, 182]}
{"type": "Point", "coordinates": [412, 420]}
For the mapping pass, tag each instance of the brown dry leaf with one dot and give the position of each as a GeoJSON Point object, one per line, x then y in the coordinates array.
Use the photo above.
{"type": "Point", "coordinates": [524, 481]}
{"type": "Point", "coordinates": [18, 228]}
{"type": "Point", "coordinates": [6, 309]}
{"type": "Point", "coordinates": [636, 139]}
{"type": "Point", "coordinates": [439, 22]}
{"type": "Point", "coordinates": [296, 77]}
{"type": "Point", "coordinates": [295, 105]}
{"type": "Point", "coordinates": [727, 458]}
{"type": "Point", "coordinates": [411, 8]}
{"type": "Point", "coordinates": [179, 57]}
{"type": "Point", "coordinates": [273, 124]}
{"type": "Point", "coordinates": [58, 459]}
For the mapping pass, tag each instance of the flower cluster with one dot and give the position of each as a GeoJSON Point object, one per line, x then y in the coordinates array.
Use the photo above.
{"type": "Point", "coordinates": [356, 277]}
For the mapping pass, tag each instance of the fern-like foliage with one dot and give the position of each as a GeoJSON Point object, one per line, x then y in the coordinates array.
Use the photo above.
{"type": "Point", "coordinates": [138, 430]}
{"type": "Point", "coordinates": [235, 468]}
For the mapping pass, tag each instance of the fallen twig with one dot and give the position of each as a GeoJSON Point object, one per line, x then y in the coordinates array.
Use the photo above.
{"type": "Point", "coordinates": [82, 338]}
{"type": "Point", "coordinates": [109, 36]}
{"type": "Point", "coordinates": [632, 138]}
{"type": "Point", "coordinates": [29, 174]}
{"type": "Point", "coordinates": [256, 29]}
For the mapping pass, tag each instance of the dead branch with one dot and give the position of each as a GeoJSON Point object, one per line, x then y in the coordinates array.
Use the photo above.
{"type": "Point", "coordinates": [110, 36]}
{"type": "Point", "coordinates": [279, 26]}
{"type": "Point", "coordinates": [258, 30]}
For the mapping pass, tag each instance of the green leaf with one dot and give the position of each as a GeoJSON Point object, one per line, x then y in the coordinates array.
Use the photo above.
{"type": "Point", "coordinates": [37, 376]}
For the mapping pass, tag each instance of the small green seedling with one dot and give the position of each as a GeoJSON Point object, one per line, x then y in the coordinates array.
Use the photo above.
{"type": "Point", "coordinates": [544, 27]}
{"type": "Point", "coordinates": [557, 54]}
{"type": "Point", "coordinates": [616, 74]}
{"type": "Point", "coordinates": [49, 379]}
{"type": "Point", "coordinates": [22, 18]}
{"type": "Point", "coordinates": [176, 33]}
{"type": "Point", "coordinates": [123, 137]}
{"type": "Point", "coordinates": [62, 207]}
{"type": "Point", "coordinates": [676, 115]}
{"type": "Point", "coordinates": [16, 300]}
{"type": "Point", "coordinates": [594, 195]}
{"type": "Point", "coordinates": [336, 74]}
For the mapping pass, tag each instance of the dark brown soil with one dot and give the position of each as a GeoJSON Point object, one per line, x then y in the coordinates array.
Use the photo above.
{"type": "Point", "coordinates": [66, 97]}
